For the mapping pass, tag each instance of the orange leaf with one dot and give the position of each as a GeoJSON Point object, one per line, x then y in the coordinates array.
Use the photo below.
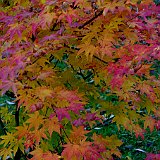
{"type": "Point", "coordinates": [78, 134]}
{"type": "Point", "coordinates": [52, 125]}
{"type": "Point", "coordinates": [149, 122]}
{"type": "Point", "coordinates": [39, 134]}
{"type": "Point", "coordinates": [43, 92]}
{"type": "Point", "coordinates": [21, 131]}
{"type": "Point", "coordinates": [35, 120]}
{"type": "Point", "coordinates": [75, 151]}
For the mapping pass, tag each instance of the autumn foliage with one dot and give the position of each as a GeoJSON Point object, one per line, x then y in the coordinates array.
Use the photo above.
{"type": "Point", "coordinates": [64, 61]}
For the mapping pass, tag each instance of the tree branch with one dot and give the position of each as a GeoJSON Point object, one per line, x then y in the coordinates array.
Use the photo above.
{"type": "Point", "coordinates": [2, 127]}
{"type": "Point", "coordinates": [75, 48]}
{"type": "Point", "coordinates": [100, 59]}
{"type": "Point", "coordinates": [19, 153]}
{"type": "Point", "coordinates": [17, 116]}
{"type": "Point", "coordinates": [92, 19]}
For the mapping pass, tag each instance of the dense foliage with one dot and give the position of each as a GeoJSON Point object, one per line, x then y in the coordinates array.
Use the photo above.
{"type": "Point", "coordinates": [72, 66]}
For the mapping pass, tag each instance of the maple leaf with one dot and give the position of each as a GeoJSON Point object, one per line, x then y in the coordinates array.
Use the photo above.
{"type": "Point", "coordinates": [62, 103]}
{"type": "Point", "coordinates": [69, 95]}
{"type": "Point", "coordinates": [78, 122]}
{"type": "Point", "coordinates": [117, 81]}
{"type": "Point", "coordinates": [121, 119]}
{"type": "Point", "coordinates": [8, 84]}
{"type": "Point", "coordinates": [29, 142]}
{"type": "Point", "coordinates": [62, 113]}
{"type": "Point", "coordinates": [16, 31]}
{"type": "Point", "coordinates": [46, 19]}
{"type": "Point", "coordinates": [21, 131]}
{"type": "Point", "coordinates": [149, 122]}
{"type": "Point", "coordinates": [111, 6]}
{"type": "Point", "coordinates": [130, 35]}
{"type": "Point", "coordinates": [88, 49]}
{"type": "Point", "coordinates": [7, 139]}
{"type": "Point", "coordinates": [76, 151]}
{"type": "Point", "coordinates": [39, 134]}
{"type": "Point", "coordinates": [43, 92]}
{"type": "Point", "coordinates": [50, 37]}
{"type": "Point", "coordinates": [148, 104]}
{"type": "Point", "coordinates": [52, 125]}
{"type": "Point", "coordinates": [35, 120]}
{"type": "Point", "coordinates": [76, 107]}
{"type": "Point", "coordinates": [92, 117]}
{"type": "Point", "coordinates": [139, 131]}
{"type": "Point", "coordinates": [48, 156]}
{"type": "Point", "coordinates": [5, 152]}
{"type": "Point", "coordinates": [77, 134]}
{"type": "Point", "coordinates": [111, 143]}
{"type": "Point", "coordinates": [11, 144]}
{"type": "Point", "coordinates": [145, 88]}
{"type": "Point", "coordinates": [145, 69]}
{"type": "Point", "coordinates": [37, 154]}
{"type": "Point", "coordinates": [157, 112]}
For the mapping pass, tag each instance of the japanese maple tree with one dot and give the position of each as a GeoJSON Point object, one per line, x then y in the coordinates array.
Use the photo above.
{"type": "Point", "coordinates": [63, 61]}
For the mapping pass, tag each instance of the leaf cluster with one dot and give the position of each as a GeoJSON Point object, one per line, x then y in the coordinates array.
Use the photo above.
{"type": "Point", "coordinates": [72, 67]}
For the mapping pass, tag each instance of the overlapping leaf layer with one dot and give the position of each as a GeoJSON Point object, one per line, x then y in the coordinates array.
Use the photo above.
{"type": "Point", "coordinates": [57, 56]}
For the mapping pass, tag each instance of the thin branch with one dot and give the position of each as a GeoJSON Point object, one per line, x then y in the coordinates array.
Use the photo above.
{"type": "Point", "coordinates": [17, 116]}
{"type": "Point", "coordinates": [100, 59]}
{"type": "Point", "coordinates": [92, 19]}
{"type": "Point", "coordinates": [19, 153]}
{"type": "Point", "coordinates": [88, 76]}
{"type": "Point", "coordinates": [2, 127]}
{"type": "Point", "coordinates": [75, 48]}
{"type": "Point", "coordinates": [55, 64]}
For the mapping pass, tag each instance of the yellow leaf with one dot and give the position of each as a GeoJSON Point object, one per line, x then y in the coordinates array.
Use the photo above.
{"type": "Point", "coordinates": [21, 131]}
{"type": "Point", "coordinates": [149, 122]}
{"type": "Point", "coordinates": [43, 92]}
{"type": "Point", "coordinates": [97, 79]}
{"type": "Point", "coordinates": [7, 139]}
{"type": "Point", "coordinates": [35, 120]}
{"type": "Point", "coordinates": [88, 49]}
{"type": "Point", "coordinates": [37, 154]}
{"type": "Point", "coordinates": [43, 1]}
{"type": "Point", "coordinates": [121, 119]}
{"type": "Point", "coordinates": [4, 152]}
{"type": "Point", "coordinates": [39, 134]}
{"type": "Point", "coordinates": [52, 125]}
{"type": "Point", "coordinates": [11, 144]}
{"type": "Point", "coordinates": [62, 103]}
{"type": "Point", "coordinates": [15, 148]}
{"type": "Point", "coordinates": [46, 20]}
{"type": "Point", "coordinates": [23, 3]}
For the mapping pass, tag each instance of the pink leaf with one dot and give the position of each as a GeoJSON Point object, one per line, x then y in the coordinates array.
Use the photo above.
{"type": "Point", "coordinates": [152, 156]}
{"type": "Point", "coordinates": [62, 113]}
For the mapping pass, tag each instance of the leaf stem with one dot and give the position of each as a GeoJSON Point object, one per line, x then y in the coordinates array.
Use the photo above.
{"type": "Point", "coordinates": [92, 19]}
